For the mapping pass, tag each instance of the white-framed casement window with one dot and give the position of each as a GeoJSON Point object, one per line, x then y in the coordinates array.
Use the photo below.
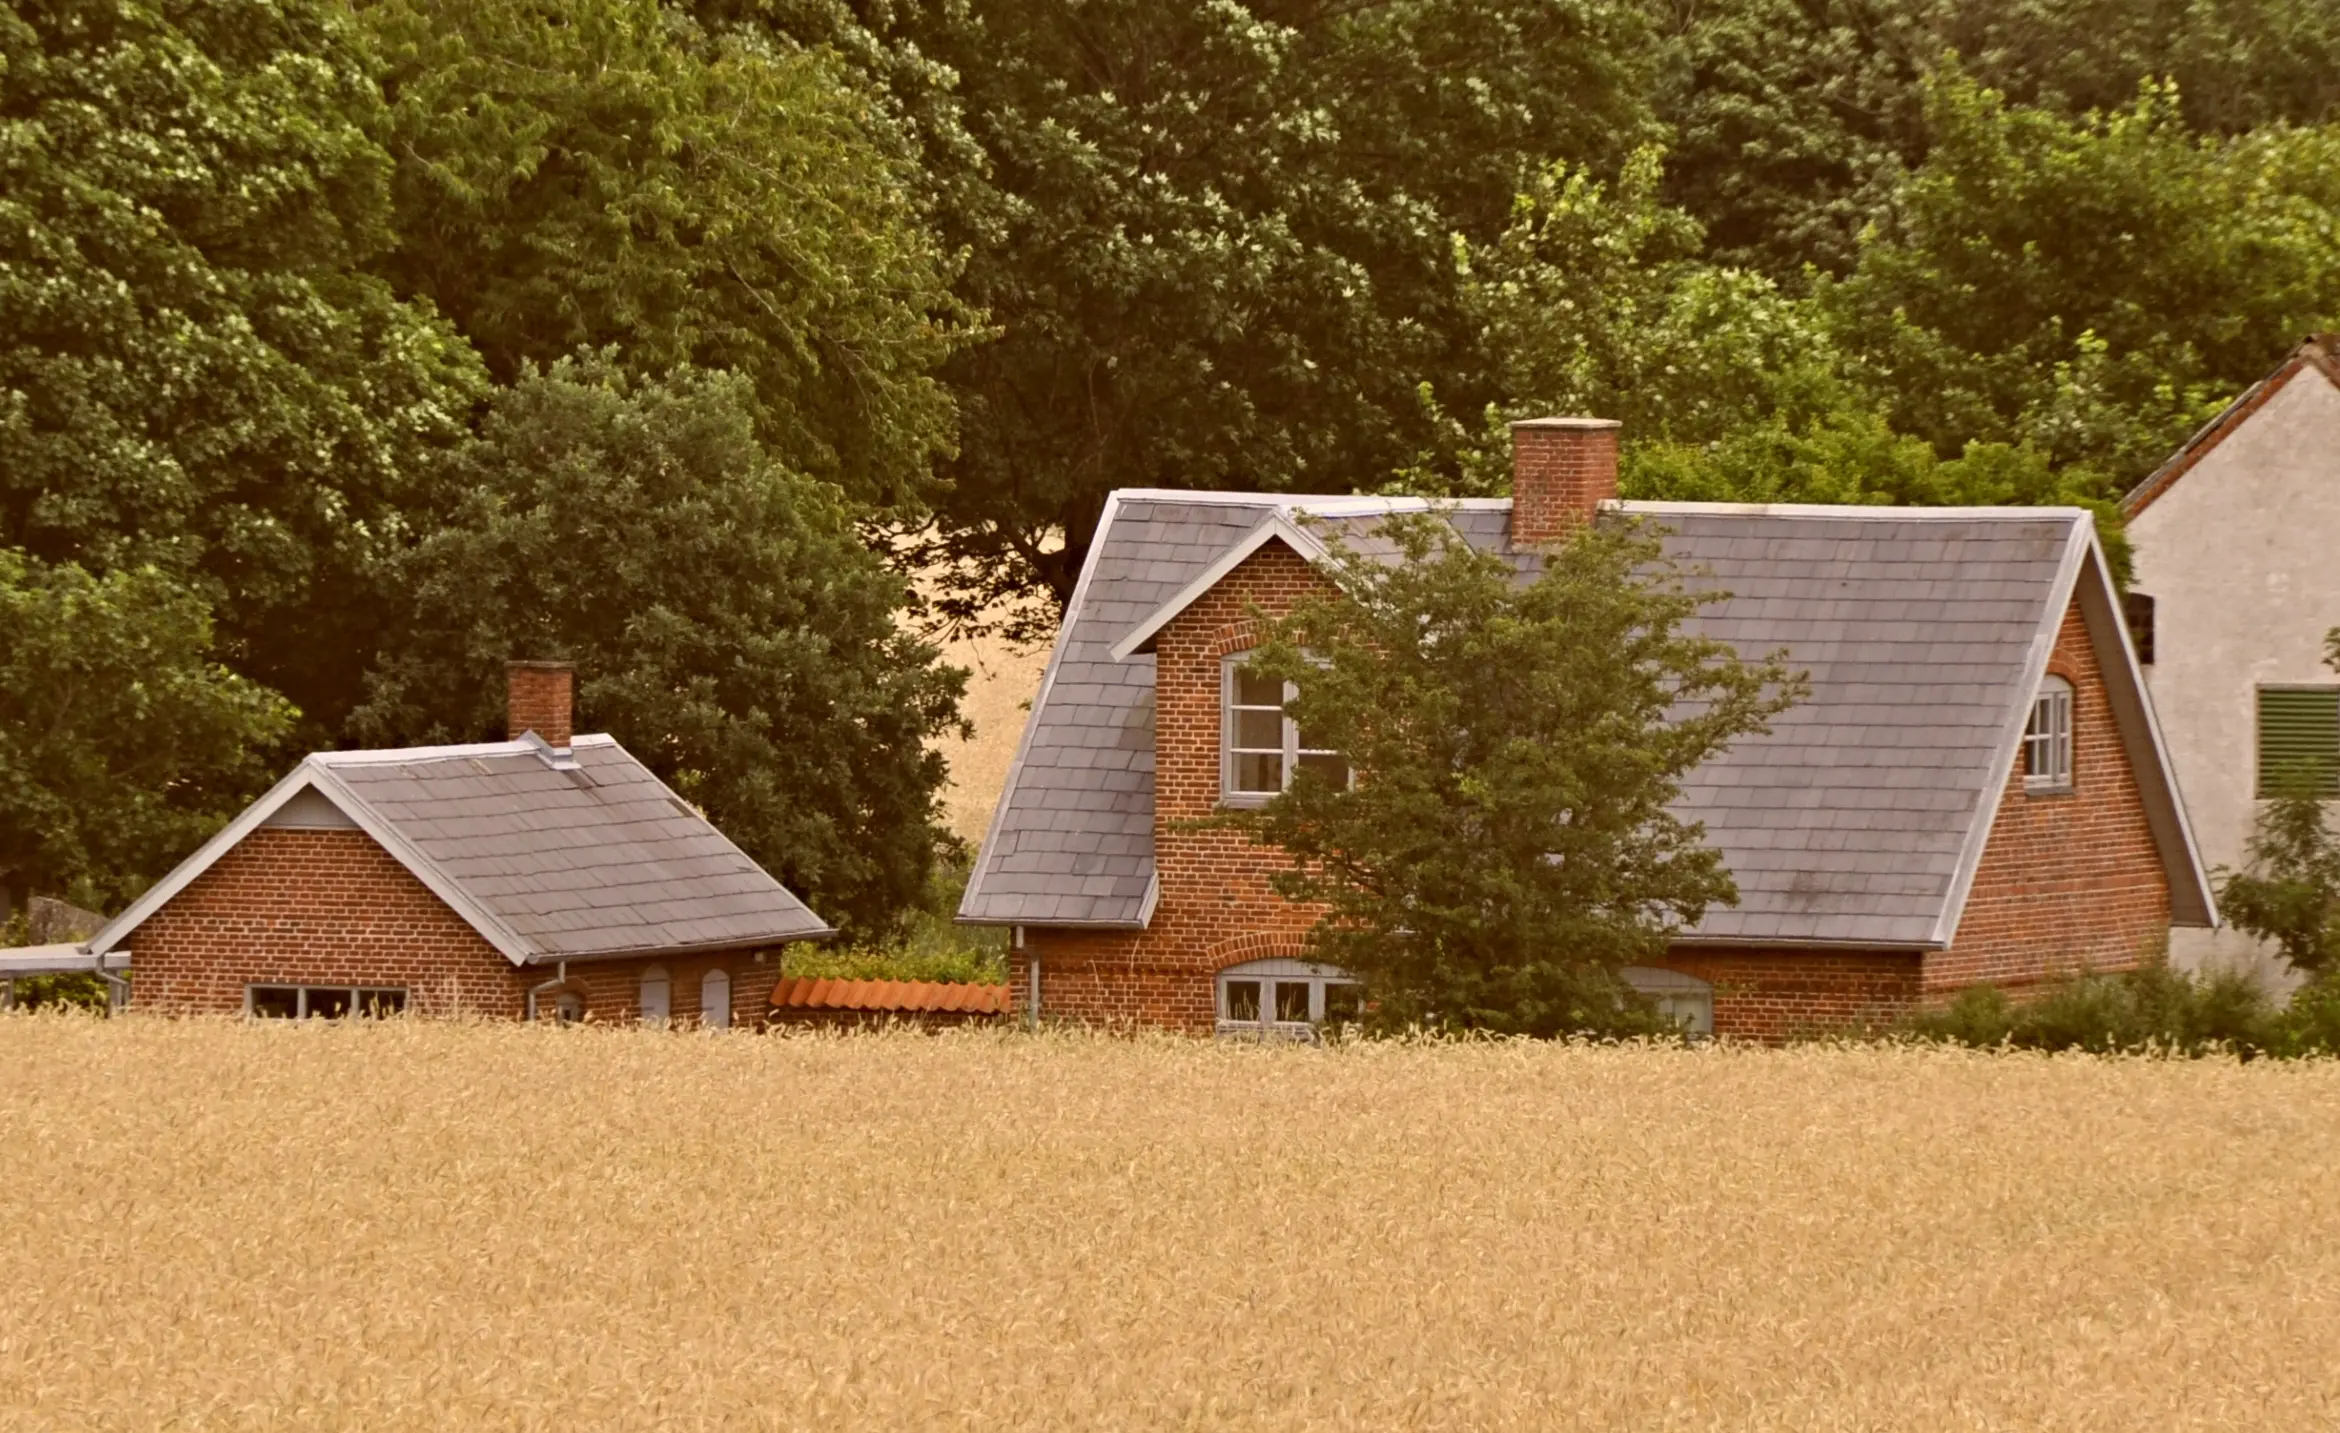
{"type": "Point", "coordinates": [1285, 999]}
{"type": "Point", "coordinates": [1260, 746]}
{"type": "Point", "coordinates": [2047, 742]}
{"type": "Point", "coordinates": [321, 1002]}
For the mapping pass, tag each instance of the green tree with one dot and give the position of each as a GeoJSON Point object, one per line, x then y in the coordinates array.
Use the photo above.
{"type": "Point", "coordinates": [1507, 843]}
{"type": "Point", "coordinates": [606, 175]}
{"type": "Point", "coordinates": [194, 372]}
{"type": "Point", "coordinates": [1214, 236]}
{"type": "Point", "coordinates": [728, 624]}
{"type": "Point", "coordinates": [2093, 287]}
{"type": "Point", "coordinates": [123, 742]}
{"type": "Point", "coordinates": [2289, 892]}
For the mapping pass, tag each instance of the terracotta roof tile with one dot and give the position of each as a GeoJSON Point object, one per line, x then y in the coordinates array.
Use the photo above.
{"type": "Point", "coordinates": [905, 997]}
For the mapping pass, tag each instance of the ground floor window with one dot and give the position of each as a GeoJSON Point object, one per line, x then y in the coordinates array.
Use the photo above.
{"type": "Point", "coordinates": [321, 1002]}
{"type": "Point", "coordinates": [1685, 998]}
{"type": "Point", "coordinates": [1285, 999]}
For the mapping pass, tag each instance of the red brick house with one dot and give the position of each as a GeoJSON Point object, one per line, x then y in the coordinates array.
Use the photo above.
{"type": "Point", "coordinates": [541, 877]}
{"type": "Point", "coordinates": [1975, 790]}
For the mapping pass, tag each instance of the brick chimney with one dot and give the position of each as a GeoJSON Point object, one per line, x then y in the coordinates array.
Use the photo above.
{"type": "Point", "coordinates": [1562, 470]}
{"type": "Point", "coordinates": [539, 697]}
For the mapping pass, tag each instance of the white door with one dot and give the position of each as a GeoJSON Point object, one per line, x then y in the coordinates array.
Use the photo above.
{"type": "Point", "coordinates": [715, 1000]}
{"type": "Point", "coordinates": [657, 996]}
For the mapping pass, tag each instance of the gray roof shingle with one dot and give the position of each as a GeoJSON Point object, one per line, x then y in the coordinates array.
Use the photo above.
{"type": "Point", "coordinates": [1848, 823]}
{"type": "Point", "coordinates": [599, 859]}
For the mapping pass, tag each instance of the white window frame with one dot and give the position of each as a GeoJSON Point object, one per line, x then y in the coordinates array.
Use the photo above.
{"type": "Point", "coordinates": [2047, 739]}
{"type": "Point", "coordinates": [1289, 752]}
{"type": "Point", "coordinates": [355, 994]}
{"type": "Point", "coordinates": [1268, 975]}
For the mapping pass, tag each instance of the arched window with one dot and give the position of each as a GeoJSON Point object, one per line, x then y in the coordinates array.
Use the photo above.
{"type": "Point", "coordinates": [657, 996]}
{"type": "Point", "coordinates": [1285, 999]}
{"type": "Point", "coordinates": [2047, 742]}
{"type": "Point", "coordinates": [715, 1000]}
{"type": "Point", "coordinates": [568, 1007]}
{"type": "Point", "coordinates": [1689, 1000]}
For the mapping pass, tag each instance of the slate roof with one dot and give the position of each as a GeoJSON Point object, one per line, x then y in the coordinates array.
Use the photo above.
{"type": "Point", "coordinates": [1857, 821]}
{"type": "Point", "coordinates": [550, 857]}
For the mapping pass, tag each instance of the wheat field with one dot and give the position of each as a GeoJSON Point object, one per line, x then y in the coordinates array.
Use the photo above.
{"type": "Point", "coordinates": [410, 1225]}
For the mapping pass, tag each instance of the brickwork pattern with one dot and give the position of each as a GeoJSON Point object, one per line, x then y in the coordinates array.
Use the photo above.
{"type": "Point", "coordinates": [2066, 881]}
{"type": "Point", "coordinates": [1215, 899]}
{"type": "Point", "coordinates": [291, 907]}
{"type": "Point", "coordinates": [1560, 477]}
{"type": "Point", "coordinates": [1781, 994]}
{"type": "Point", "coordinates": [539, 699]}
{"type": "Point", "coordinates": [288, 907]}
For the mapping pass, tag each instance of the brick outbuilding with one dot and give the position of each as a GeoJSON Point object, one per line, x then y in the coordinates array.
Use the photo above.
{"type": "Point", "coordinates": [541, 877]}
{"type": "Point", "coordinates": [1975, 790]}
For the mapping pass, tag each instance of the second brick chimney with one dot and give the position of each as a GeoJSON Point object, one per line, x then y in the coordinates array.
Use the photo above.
{"type": "Point", "coordinates": [540, 697]}
{"type": "Point", "coordinates": [1562, 470]}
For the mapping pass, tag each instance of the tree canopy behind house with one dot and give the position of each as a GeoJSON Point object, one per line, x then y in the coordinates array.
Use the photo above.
{"type": "Point", "coordinates": [272, 275]}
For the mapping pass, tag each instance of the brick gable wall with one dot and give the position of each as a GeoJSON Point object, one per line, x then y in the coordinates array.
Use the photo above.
{"type": "Point", "coordinates": [289, 907]}
{"type": "Point", "coordinates": [2064, 881]}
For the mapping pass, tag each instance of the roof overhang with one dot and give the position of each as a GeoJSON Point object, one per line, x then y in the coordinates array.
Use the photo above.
{"type": "Point", "coordinates": [1277, 526]}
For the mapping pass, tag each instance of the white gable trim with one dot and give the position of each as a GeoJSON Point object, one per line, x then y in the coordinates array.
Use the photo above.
{"type": "Point", "coordinates": [1277, 527]}
{"type": "Point", "coordinates": [314, 773]}
{"type": "Point", "coordinates": [2035, 664]}
{"type": "Point", "coordinates": [2086, 577]}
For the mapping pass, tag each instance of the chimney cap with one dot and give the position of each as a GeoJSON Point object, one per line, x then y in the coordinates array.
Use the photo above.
{"type": "Point", "coordinates": [1575, 424]}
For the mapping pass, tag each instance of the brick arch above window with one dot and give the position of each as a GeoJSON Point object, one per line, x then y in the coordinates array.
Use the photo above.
{"type": "Point", "coordinates": [1240, 635]}
{"type": "Point", "coordinates": [1256, 945]}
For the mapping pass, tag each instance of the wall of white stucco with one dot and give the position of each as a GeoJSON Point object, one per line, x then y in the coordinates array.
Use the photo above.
{"type": "Point", "coordinates": [2242, 558]}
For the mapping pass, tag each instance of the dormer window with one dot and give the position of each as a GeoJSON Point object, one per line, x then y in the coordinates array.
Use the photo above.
{"type": "Point", "coordinates": [1260, 745]}
{"type": "Point", "coordinates": [2047, 742]}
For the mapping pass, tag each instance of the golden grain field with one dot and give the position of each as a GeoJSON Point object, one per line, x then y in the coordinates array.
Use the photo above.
{"type": "Point", "coordinates": [410, 1225]}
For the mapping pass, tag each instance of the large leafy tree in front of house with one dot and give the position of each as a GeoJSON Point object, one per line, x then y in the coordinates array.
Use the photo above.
{"type": "Point", "coordinates": [603, 174]}
{"type": "Point", "coordinates": [123, 741]}
{"type": "Point", "coordinates": [728, 624]}
{"type": "Point", "coordinates": [195, 373]}
{"type": "Point", "coordinates": [1508, 842]}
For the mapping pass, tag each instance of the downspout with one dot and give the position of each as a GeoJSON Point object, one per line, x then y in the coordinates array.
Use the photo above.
{"type": "Point", "coordinates": [542, 986]}
{"type": "Point", "coordinates": [1031, 982]}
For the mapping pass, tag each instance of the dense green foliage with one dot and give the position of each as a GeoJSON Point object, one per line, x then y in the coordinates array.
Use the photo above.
{"type": "Point", "coordinates": [2289, 893]}
{"type": "Point", "coordinates": [273, 271]}
{"type": "Point", "coordinates": [195, 372]}
{"type": "Point", "coordinates": [123, 742]}
{"type": "Point", "coordinates": [773, 688]}
{"type": "Point", "coordinates": [621, 181]}
{"type": "Point", "coordinates": [2153, 1009]}
{"type": "Point", "coordinates": [1507, 845]}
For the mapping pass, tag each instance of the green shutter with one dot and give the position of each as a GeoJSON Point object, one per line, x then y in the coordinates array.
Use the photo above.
{"type": "Point", "coordinates": [2299, 739]}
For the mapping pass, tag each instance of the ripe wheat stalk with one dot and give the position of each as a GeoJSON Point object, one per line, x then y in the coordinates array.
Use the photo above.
{"type": "Point", "coordinates": [411, 1225]}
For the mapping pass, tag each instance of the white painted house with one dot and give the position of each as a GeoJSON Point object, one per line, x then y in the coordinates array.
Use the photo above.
{"type": "Point", "coordinates": [2237, 582]}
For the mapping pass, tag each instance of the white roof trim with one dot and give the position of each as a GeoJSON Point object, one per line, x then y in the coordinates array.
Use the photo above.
{"type": "Point", "coordinates": [1330, 504]}
{"type": "Point", "coordinates": [406, 755]}
{"type": "Point", "coordinates": [316, 772]}
{"type": "Point", "coordinates": [2035, 664]}
{"type": "Point", "coordinates": [1007, 790]}
{"type": "Point", "coordinates": [1277, 526]}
